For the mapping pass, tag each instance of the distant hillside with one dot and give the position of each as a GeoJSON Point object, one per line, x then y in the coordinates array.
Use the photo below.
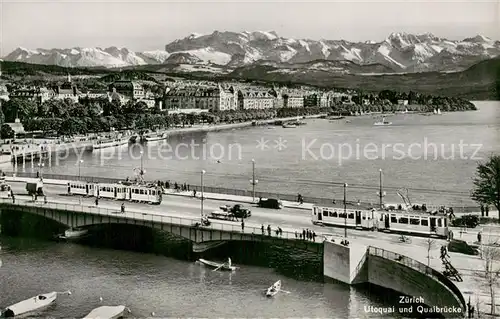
{"type": "Point", "coordinates": [23, 69]}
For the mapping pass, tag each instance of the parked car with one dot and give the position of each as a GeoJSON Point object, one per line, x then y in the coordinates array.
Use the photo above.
{"type": "Point", "coordinates": [270, 203]}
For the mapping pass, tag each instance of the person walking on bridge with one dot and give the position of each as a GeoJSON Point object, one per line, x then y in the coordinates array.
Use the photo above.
{"type": "Point", "coordinates": [242, 225]}
{"type": "Point", "coordinates": [269, 230]}
{"type": "Point", "coordinates": [262, 229]}
{"type": "Point", "coordinates": [123, 208]}
{"type": "Point", "coordinates": [97, 201]}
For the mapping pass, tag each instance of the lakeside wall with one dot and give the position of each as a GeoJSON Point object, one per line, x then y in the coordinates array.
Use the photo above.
{"type": "Point", "coordinates": [358, 264]}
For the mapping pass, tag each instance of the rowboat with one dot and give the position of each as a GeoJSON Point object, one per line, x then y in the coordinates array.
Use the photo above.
{"type": "Point", "coordinates": [383, 123]}
{"type": "Point", "coordinates": [106, 312]}
{"type": "Point", "coordinates": [73, 233]}
{"type": "Point", "coordinates": [224, 266]}
{"type": "Point", "coordinates": [32, 304]}
{"type": "Point", "coordinates": [274, 289]}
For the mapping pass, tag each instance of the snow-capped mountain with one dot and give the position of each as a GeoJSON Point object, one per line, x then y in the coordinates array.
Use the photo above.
{"type": "Point", "coordinates": [400, 52]}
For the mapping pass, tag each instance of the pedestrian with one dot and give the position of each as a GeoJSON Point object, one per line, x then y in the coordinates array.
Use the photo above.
{"type": "Point", "coordinates": [167, 184]}
{"type": "Point", "coordinates": [314, 236]}
{"type": "Point", "coordinates": [188, 188]}
{"type": "Point", "coordinates": [13, 199]}
{"type": "Point", "coordinates": [262, 229]}
{"type": "Point", "coordinates": [242, 225]}
{"type": "Point", "coordinates": [97, 201]}
{"type": "Point", "coordinates": [45, 199]}
{"type": "Point", "coordinates": [280, 231]}
{"type": "Point", "coordinates": [303, 233]}
{"type": "Point", "coordinates": [487, 210]}
{"type": "Point", "coordinates": [479, 237]}
{"type": "Point", "coordinates": [482, 210]}
{"type": "Point", "coordinates": [194, 192]}
{"type": "Point", "coordinates": [123, 208]}
{"type": "Point", "coordinates": [277, 232]}
{"type": "Point", "coordinates": [296, 235]}
{"type": "Point", "coordinates": [269, 230]}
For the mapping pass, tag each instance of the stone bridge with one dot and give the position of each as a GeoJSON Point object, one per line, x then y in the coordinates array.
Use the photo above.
{"type": "Point", "coordinates": [203, 238]}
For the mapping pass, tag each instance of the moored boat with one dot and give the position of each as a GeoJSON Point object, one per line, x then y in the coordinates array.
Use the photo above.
{"type": "Point", "coordinates": [32, 304]}
{"type": "Point", "coordinates": [222, 266]}
{"type": "Point", "coordinates": [289, 125]}
{"type": "Point", "coordinates": [274, 289]}
{"type": "Point", "coordinates": [73, 233]}
{"type": "Point", "coordinates": [106, 312]}
{"type": "Point", "coordinates": [110, 142]}
{"type": "Point", "coordinates": [151, 137]}
{"type": "Point", "coordinates": [383, 123]}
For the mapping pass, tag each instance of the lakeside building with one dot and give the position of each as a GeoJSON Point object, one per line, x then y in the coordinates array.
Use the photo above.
{"type": "Point", "coordinates": [198, 99]}
{"type": "Point", "coordinates": [255, 100]}
{"type": "Point", "coordinates": [36, 94]}
{"type": "Point", "coordinates": [130, 89]}
{"type": "Point", "coordinates": [67, 90]}
{"type": "Point", "coordinates": [293, 99]}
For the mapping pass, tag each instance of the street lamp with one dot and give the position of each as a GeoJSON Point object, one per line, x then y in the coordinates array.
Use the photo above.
{"type": "Point", "coordinates": [380, 194]}
{"type": "Point", "coordinates": [79, 163]}
{"type": "Point", "coordinates": [142, 170]}
{"type": "Point", "coordinates": [345, 211]}
{"type": "Point", "coordinates": [253, 181]}
{"type": "Point", "coordinates": [40, 169]}
{"type": "Point", "coordinates": [202, 173]}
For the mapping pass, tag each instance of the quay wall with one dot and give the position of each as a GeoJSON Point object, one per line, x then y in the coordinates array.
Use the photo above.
{"type": "Point", "coordinates": [411, 278]}
{"type": "Point", "coordinates": [344, 263]}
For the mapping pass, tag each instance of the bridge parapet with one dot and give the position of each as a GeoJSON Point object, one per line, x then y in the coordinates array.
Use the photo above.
{"type": "Point", "coordinates": [74, 215]}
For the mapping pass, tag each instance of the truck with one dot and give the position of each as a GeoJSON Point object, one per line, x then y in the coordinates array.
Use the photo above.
{"type": "Point", "coordinates": [34, 188]}
{"type": "Point", "coordinates": [237, 210]}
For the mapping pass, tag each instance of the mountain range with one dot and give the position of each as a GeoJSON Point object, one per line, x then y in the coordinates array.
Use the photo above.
{"type": "Point", "coordinates": [227, 52]}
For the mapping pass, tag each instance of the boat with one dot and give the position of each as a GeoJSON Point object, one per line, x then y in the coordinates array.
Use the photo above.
{"type": "Point", "coordinates": [73, 233]}
{"type": "Point", "coordinates": [106, 312]}
{"type": "Point", "coordinates": [274, 289]}
{"type": "Point", "coordinates": [110, 142]}
{"type": "Point", "coordinates": [289, 125]}
{"type": "Point", "coordinates": [383, 123]}
{"type": "Point", "coordinates": [32, 304]}
{"type": "Point", "coordinates": [224, 266]}
{"type": "Point", "coordinates": [151, 137]}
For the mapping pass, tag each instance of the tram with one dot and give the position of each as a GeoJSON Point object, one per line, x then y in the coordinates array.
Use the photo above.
{"type": "Point", "coordinates": [149, 193]}
{"type": "Point", "coordinates": [401, 222]}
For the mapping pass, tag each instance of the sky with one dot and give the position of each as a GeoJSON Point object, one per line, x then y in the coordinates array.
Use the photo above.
{"type": "Point", "coordinates": [149, 25]}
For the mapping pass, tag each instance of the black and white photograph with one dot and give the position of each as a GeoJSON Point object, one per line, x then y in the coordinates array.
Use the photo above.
{"type": "Point", "coordinates": [249, 159]}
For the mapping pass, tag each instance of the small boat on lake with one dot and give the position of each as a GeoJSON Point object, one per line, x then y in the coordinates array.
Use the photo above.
{"type": "Point", "coordinates": [74, 233]}
{"type": "Point", "coordinates": [106, 312]}
{"type": "Point", "coordinates": [274, 289]}
{"type": "Point", "coordinates": [383, 123]}
{"type": "Point", "coordinates": [32, 304]}
{"type": "Point", "coordinates": [222, 266]}
{"type": "Point", "coordinates": [289, 125]}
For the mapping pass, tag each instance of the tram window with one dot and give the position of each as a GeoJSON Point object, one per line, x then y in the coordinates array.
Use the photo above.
{"type": "Point", "coordinates": [334, 214]}
{"type": "Point", "coordinates": [414, 221]}
{"type": "Point", "coordinates": [381, 218]}
{"type": "Point", "coordinates": [445, 222]}
{"type": "Point", "coordinates": [394, 219]}
{"type": "Point", "coordinates": [142, 192]}
{"type": "Point", "coordinates": [424, 222]}
{"type": "Point", "coordinates": [330, 213]}
{"type": "Point", "coordinates": [403, 220]}
{"type": "Point", "coordinates": [439, 223]}
{"type": "Point", "coordinates": [325, 213]}
{"type": "Point", "coordinates": [342, 215]}
{"type": "Point", "coordinates": [350, 216]}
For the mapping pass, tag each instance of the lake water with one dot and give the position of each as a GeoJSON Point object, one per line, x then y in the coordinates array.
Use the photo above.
{"type": "Point", "coordinates": [168, 287]}
{"type": "Point", "coordinates": [433, 156]}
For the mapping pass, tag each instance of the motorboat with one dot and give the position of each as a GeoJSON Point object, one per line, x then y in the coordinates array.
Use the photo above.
{"type": "Point", "coordinates": [289, 125]}
{"type": "Point", "coordinates": [274, 289]}
{"type": "Point", "coordinates": [151, 137]}
{"type": "Point", "coordinates": [383, 123]}
{"type": "Point", "coordinates": [106, 312]}
{"type": "Point", "coordinates": [74, 233]}
{"type": "Point", "coordinates": [32, 304]}
{"type": "Point", "coordinates": [218, 266]}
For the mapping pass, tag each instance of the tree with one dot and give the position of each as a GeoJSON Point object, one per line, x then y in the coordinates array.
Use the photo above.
{"type": "Point", "coordinates": [490, 254]}
{"type": "Point", "coordinates": [487, 183]}
{"type": "Point", "coordinates": [6, 131]}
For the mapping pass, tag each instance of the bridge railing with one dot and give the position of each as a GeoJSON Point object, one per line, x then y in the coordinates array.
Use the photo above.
{"type": "Point", "coordinates": [229, 191]}
{"type": "Point", "coordinates": [420, 267]}
{"type": "Point", "coordinates": [152, 217]}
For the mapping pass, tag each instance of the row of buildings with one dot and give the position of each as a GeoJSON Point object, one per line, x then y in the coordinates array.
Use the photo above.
{"type": "Point", "coordinates": [188, 98]}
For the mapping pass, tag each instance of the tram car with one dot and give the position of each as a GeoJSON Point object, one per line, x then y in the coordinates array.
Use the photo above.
{"type": "Point", "coordinates": [135, 193]}
{"type": "Point", "coordinates": [401, 222]}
